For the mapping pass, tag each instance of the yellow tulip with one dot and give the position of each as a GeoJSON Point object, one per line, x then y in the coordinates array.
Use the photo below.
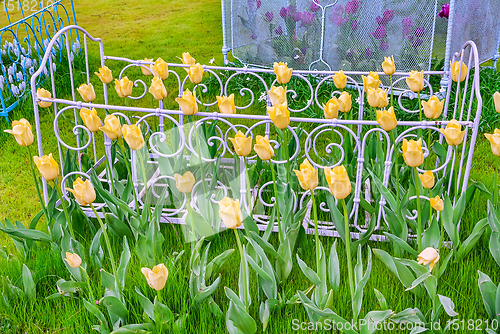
{"type": "Point", "coordinates": [277, 95]}
{"type": "Point", "coordinates": [195, 73]}
{"type": "Point", "coordinates": [226, 104]}
{"type": "Point", "coordinates": [87, 92]}
{"type": "Point", "coordinates": [388, 65]}
{"type": "Point", "coordinates": [427, 179]}
{"type": "Point", "coordinates": [429, 256]}
{"type": "Point", "coordinates": [280, 115]}
{"type": "Point", "coordinates": [133, 136]}
{"type": "Point", "coordinates": [263, 148]}
{"type": "Point", "coordinates": [242, 145]}
{"type": "Point", "coordinates": [161, 68]}
{"type": "Point", "coordinates": [377, 98]}
{"type": "Point", "coordinates": [371, 81]}
{"type": "Point", "coordinates": [73, 260]}
{"type": "Point", "coordinates": [415, 81]}
{"type": "Point", "coordinates": [145, 68]}
{"type": "Point", "coordinates": [283, 73]}
{"type": "Point", "coordinates": [230, 213]}
{"type": "Point", "coordinates": [338, 181]}
{"type": "Point", "coordinates": [112, 127]}
{"type": "Point", "coordinates": [156, 278]}
{"type": "Point", "coordinates": [90, 118]}
{"type": "Point", "coordinates": [331, 109]}
{"type": "Point", "coordinates": [83, 191]}
{"type": "Point", "coordinates": [412, 152]}
{"type": "Point", "coordinates": [187, 60]}
{"type": "Point", "coordinates": [453, 133]}
{"type": "Point", "coordinates": [456, 69]}
{"type": "Point", "coordinates": [433, 107]}
{"type": "Point", "coordinates": [47, 166]}
{"type": "Point", "coordinates": [339, 79]}
{"type": "Point", "coordinates": [187, 103]}
{"type": "Point", "coordinates": [41, 92]}
{"type": "Point", "coordinates": [496, 99]}
{"type": "Point", "coordinates": [158, 89]}
{"type": "Point", "coordinates": [387, 119]}
{"type": "Point", "coordinates": [345, 102]}
{"type": "Point", "coordinates": [307, 175]}
{"type": "Point", "coordinates": [494, 141]}
{"type": "Point", "coordinates": [437, 204]}
{"type": "Point", "coordinates": [123, 87]}
{"type": "Point", "coordinates": [184, 183]}
{"type": "Point", "coordinates": [21, 130]}
{"type": "Point", "coordinates": [105, 74]}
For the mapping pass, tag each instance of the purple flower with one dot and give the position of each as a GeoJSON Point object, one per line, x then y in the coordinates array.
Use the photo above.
{"type": "Point", "coordinates": [351, 7]}
{"type": "Point", "coordinates": [268, 17]}
{"type": "Point", "coordinates": [304, 50]}
{"type": "Point", "coordinates": [306, 19]}
{"type": "Point", "coordinates": [445, 11]}
{"type": "Point", "coordinates": [407, 23]}
{"type": "Point", "coordinates": [354, 25]}
{"type": "Point", "coordinates": [379, 20]}
{"type": "Point", "coordinates": [254, 36]}
{"type": "Point", "coordinates": [278, 30]}
{"type": "Point", "coordinates": [258, 4]}
{"type": "Point", "coordinates": [419, 32]}
{"type": "Point", "coordinates": [417, 42]}
{"type": "Point", "coordinates": [314, 6]}
{"type": "Point", "coordinates": [384, 46]}
{"type": "Point", "coordinates": [379, 33]}
{"type": "Point", "coordinates": [284, 12]}
{"type": "Point", "coordinates": [337, 15]}
{"type": "Point", "coordinates": [253, 5]}
{"type": "Point", "coordinates": [368, 53]}
{"type": "Point", "coordinates": [297, 16]}
{"type": "Point", "coordinates": [388, 15]}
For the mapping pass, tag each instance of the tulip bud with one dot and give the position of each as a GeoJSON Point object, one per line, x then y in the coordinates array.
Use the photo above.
{"type": "Point", "coordinates": [496, 99]}
{"type": "Point", "coordinates": [87, 92]}
{"type": "Point", "coordinates": [41, 92]}
{"type": "Point", "coordinates": [161, 68]}
{"type": "Point", "coordinates": [339, 79]}
{"type": "Point", "coordinates": [427, 179]}
{"type": "Point", "coordinates": [112, 127]}
{"type": "Point", "coordinates": [145, 67]}
{"type": "Point", "coordinates": [184, 183]}
{"type": "Point", "coordinates": [433, 107]}
{"type": "Point", "coordinates": [230, 213]}
{"type": "Point", "coordinates": [105, 74]}
{"type": "Point", "coordinates": [21, 130]}
{"type": "Point", "coordinates": [83, 191]}
{"type": "Point", "coordinates": [494, 141]}
{"type": "Point", "coordinates": [345, 102]}
{"type": "Point", "coordinates": [412, 152]}
{"type": "Point", "coordinates": [226, 104]}
{"type": "Point", "coordinates": [283, 73]}
{"type": "Point", "coordinates": [73, 260]}
{"type": "Point", "coordinates": [415, 81]}
{"type": "Point", "coordinates": [338, 181]}
{"type": "Point", "coordinates": [90, 118]}
{"type": "Point", "coordinates": [47, 166]}
{"type": "Point", "coordinates": [453, 133]}
{"type": "Point", "coordinates": [388, 65]}
{"type": "Point", "coordinates": [187, 103]}
{"type": "Point", "coordinates": [429, 256]}
{"type": "Point", "coordinates": [195, 73]}
{"type": "Point", "coordinates": [331, 109]}
{"type": "Point", "coordinates": [387, 119]}
{"type": "Point", "coordinates": [263, 148]}
{"type": "Point", "coordinates": [158, 89]}
{"type": "Point", "coordinates": [133, 136]}
{"type": "Point", "coordinates": [280, 115]}
{"type": "Point", "coordinates": [123, 87]}
{"type": "Point", "coordinates": [277, 95]}
{"type": "Point", "coordinates": [437, 203]}
{"type": "Point", "coordinates": [242, 144]}
{"type": "Point", "coordinates": [187, 60]}
{"type": "Point", "coordinates": [307, 175]}
{"type": "Point", "coordinates": [456, 69]}
{"type": "Point", "coordinates": [371, 81]}
{"type": "Point", "coordinates": [156, 278]}
{"type": "Point", "coordinates": [377, 98]}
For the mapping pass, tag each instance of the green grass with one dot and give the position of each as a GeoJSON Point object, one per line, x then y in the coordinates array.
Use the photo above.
{"type": "Point", "coordinates": [139, 29]}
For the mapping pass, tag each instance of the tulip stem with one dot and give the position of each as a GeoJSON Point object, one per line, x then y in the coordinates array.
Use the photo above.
{"type": "Point", "coordinates": [287, 154]}
{"type": "Point", "coordinates": [158, 293]}
{"type": "Point", "coordinates": [243, 270]}
{"type": "Point", "coordinates": [419, 218]}
{"type": "Point", "coordinates": [35, 180]}
{"type": "Point", "coordinates": [122, 149]}
{"type": "Point", "coordinates": [189, 208]}
{"type": "Point", "coordinates": [190, 119]}
{"type": "Point", "coordinates": [82, 270]}
{"type": "Point", "coordinates": [106, 239]}
{"type": "Point", "coordinates": [419, 114]}
{"type": "Point", "coordinates": [146, 203]}
{"type": "Point", "coordinates": [316, 234]}
{"type": "Point", "coordinates": [348, 252]}
{"type": "Point", "coordinates": [247, 183]}
{"type": "Point", "coordinates": [65, 209]}
{"type": "Point", "coordinates": [396, 169]}
{"type": "Point", "coordinates": [430, 207]}
{"type": "Point", "coordinates": [275, 187]}
{"type": "Point", "coordinates": [392, 95]}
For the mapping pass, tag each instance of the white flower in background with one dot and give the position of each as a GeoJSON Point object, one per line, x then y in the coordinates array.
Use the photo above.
{"type": "Point", "coordinates": [9, 70]}
{"type": "Point", "coordinates": [1, 84]}
{"type": "Point", "coordinates": [358, 100]}
{"type": "Point", "coordinates": [19, 76]}
{"type": "Point", "coordinates": [2, 79]}
{"type": "Point", "coordinates": [10, 78]}
{"type": "Point", "coordinates": [14, 90]}
{"type": "Point", "coordinates": [16, 52]}
{"type": "Point", "coordinates": [54, 67]}
{"type": "Point", "coordinates": [3, 52]}
{"type": "Point", "coordinates": [46, 43]}
{"type": "Point", "coordinates": [71, 56]}
{"type": "Point", "coordinates": [28, 63]}
{"type": "Point", "coordinates": [23, 50]}
{"type": "Point", "coordinates": [211, 61]}
{"type": "Point", "coordinates": [263, 97]}
{"type": "Point", "coordinates": [22, 86]}
{"type": "Point", "coordinates": [45, 71]}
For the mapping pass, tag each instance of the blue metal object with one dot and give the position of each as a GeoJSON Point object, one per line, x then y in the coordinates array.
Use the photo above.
{"type": "Point", "coordinates": [23, 44]}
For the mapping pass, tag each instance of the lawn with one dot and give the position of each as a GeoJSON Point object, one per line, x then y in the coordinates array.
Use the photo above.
{"type": "Point", "coordinates": [140, 29]}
